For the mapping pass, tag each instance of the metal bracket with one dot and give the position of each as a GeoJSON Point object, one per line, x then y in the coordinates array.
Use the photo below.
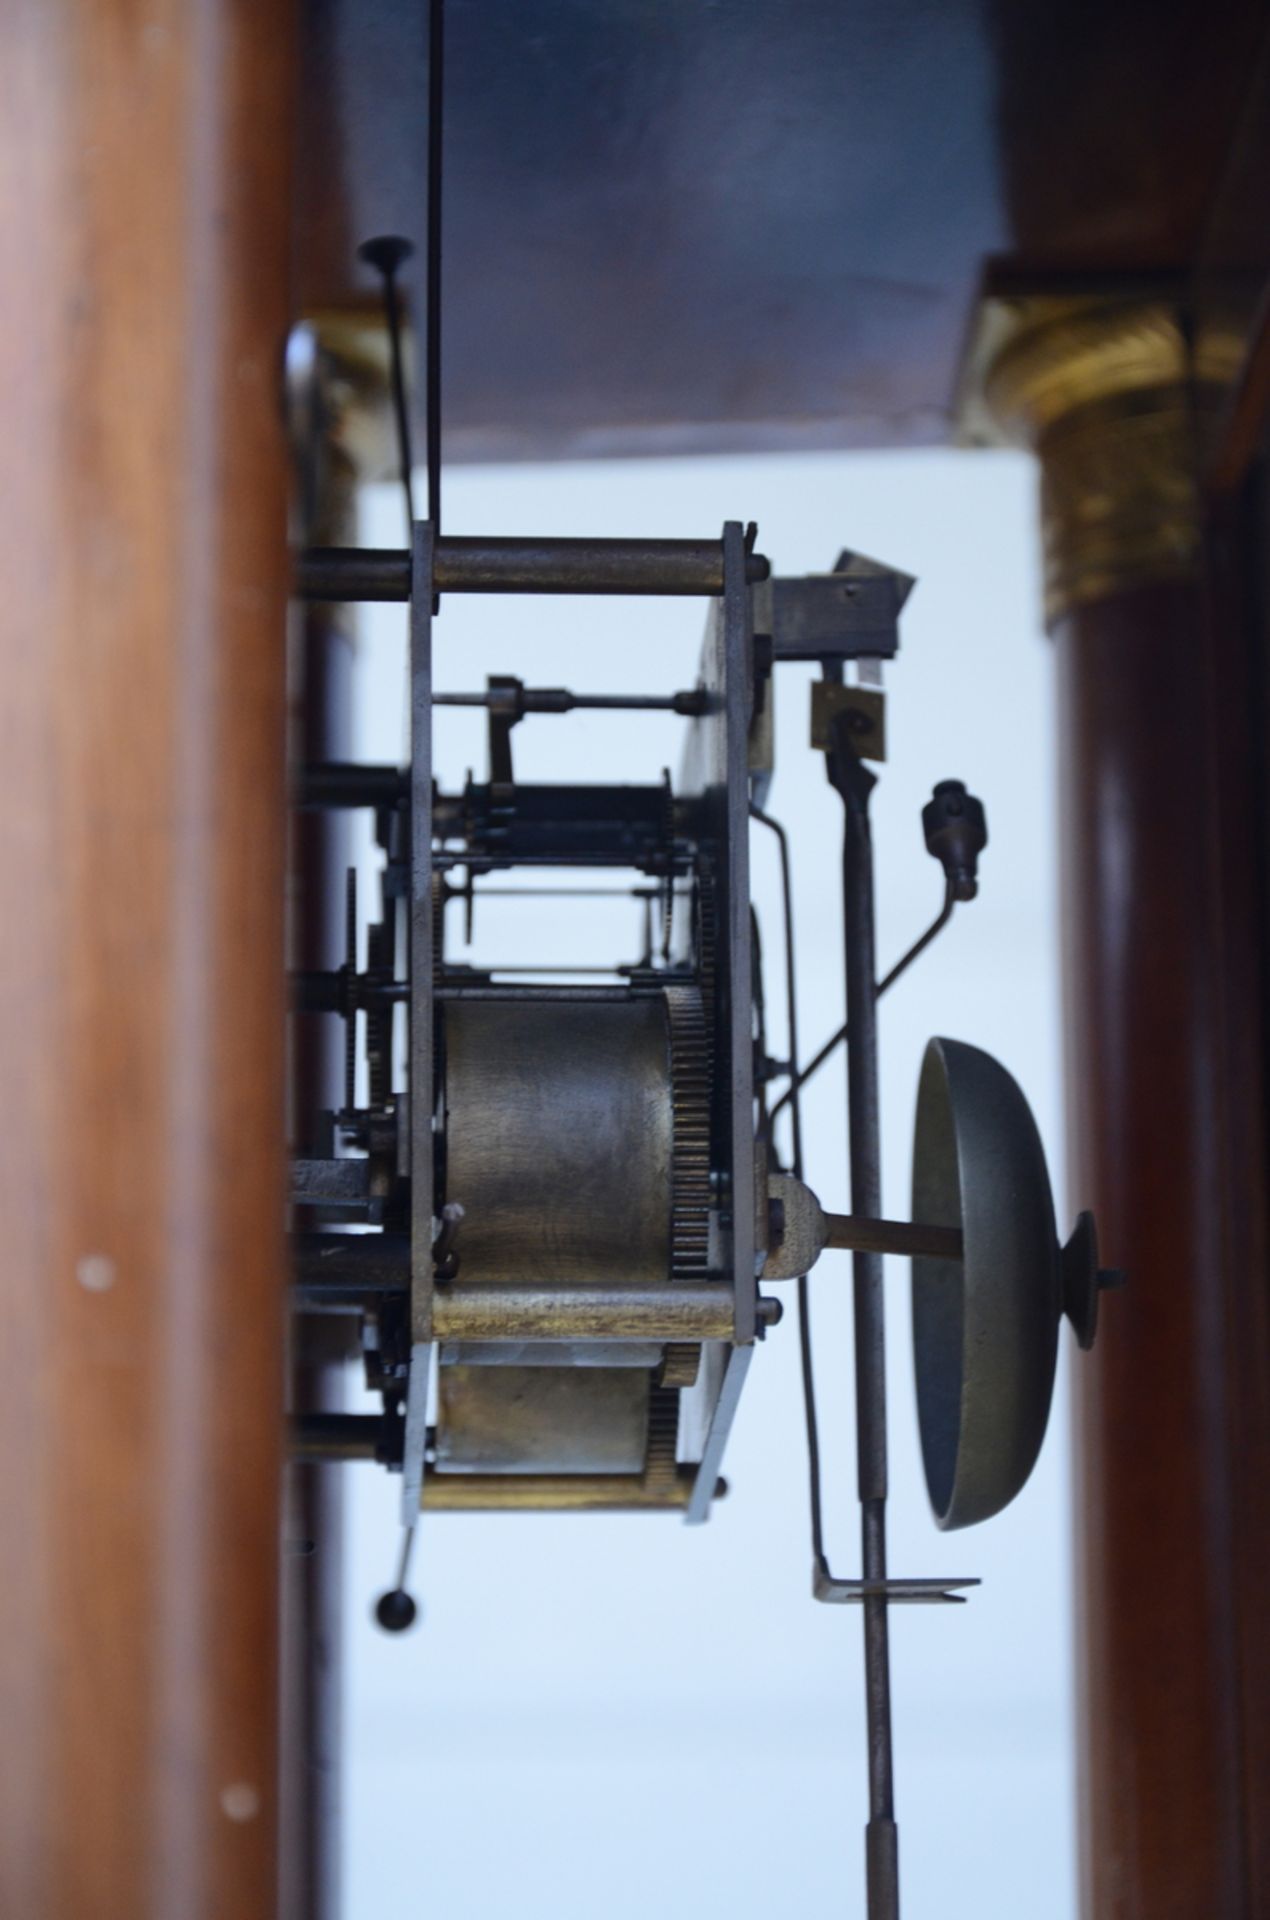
{"type": "Point", "coordinates": [849, 614]}
{"type": "Point", "coordinates": [848, 1592]}
{"type": "Point", "coordinates": [865, 708]}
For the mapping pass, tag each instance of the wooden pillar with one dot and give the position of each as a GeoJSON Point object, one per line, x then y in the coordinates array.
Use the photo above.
{"type": "Point", "coordinates": [145, 159]}
{"type": "Point", "coordinates": [1165, 1096]}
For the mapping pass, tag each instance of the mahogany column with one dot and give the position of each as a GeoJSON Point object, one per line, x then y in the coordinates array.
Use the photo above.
{"type": "Point", "coordinates": [145, 159]}
{"type": "Point", "coordinates": [1165, 1096]}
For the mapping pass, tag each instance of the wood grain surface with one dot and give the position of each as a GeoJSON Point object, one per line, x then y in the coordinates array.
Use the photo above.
{"type": "Point", "coordinates": [1166, 1091]}
{"type": "Point", "coordinates": [145, 162]}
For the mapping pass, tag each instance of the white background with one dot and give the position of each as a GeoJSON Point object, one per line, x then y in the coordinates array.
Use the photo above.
{"type": "Point", "coordinates": [617, 1715]}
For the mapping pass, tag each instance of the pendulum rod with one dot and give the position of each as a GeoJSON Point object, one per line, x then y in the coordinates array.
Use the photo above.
{"type": "Point", "coordinates": [853, 781]}
{"type": "Point", "coordinates": [436, 152]}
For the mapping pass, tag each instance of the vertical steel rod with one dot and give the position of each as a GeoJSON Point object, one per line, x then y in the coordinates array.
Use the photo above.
{"type": "Point", "coordinates": [432, 296]}
{"type": "Point", "coordinates": [419, 1024]}
{"type": "Point", "coordinates": [853, 781]}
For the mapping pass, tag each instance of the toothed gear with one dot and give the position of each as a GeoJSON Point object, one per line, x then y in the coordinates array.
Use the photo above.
{"type": "Point", "coordinates": [690, 1151]}
{"type": "Point", "coordinates": [379, 973]}
{"type": "Point", "coordinates": [440, 894]}
{"type": "Point", "coordinates": [680, 1365]}
{"type": "Point", "coordinates": [663, 1434]}
{"type": "Point", "coordinates": [668, 887]}
{"type": "Point", "coordinates": [690, 1163]}
{"type": "Point", "coordinates": [706, 926]}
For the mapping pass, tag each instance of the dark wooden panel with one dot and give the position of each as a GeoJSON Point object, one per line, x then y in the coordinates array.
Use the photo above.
{"type": "Point", "coordinates": [1115, 120]}
{"type": "Point", "coordinates": [144, 195]}
{"type": "Point", "coordinates": [679, 226]}
{"type": "Point", "coordinates": [1228, 291]}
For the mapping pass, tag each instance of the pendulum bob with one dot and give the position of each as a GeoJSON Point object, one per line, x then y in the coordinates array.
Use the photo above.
{"type": "Point", "coordinates": [985, 1326]}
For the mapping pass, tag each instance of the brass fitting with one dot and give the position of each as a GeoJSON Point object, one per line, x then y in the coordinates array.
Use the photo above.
{"type": "Point", "coordinates": [1111, 397]}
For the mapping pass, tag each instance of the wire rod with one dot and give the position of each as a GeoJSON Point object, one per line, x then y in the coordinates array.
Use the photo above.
{"type": "Point", "coordinates": [560, 700]}
{"type": "Point", "coordinates": [902, 965]}
{"type": "Point", "coordinates": [811, 1418]}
